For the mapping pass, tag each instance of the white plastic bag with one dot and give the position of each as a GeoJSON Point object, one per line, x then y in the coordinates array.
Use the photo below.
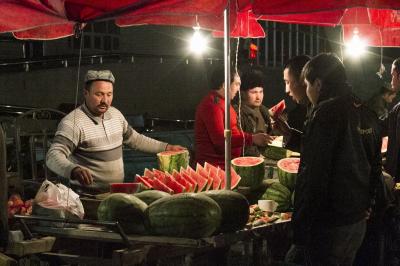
{"type": "Point", "coordinates": [59, 197]}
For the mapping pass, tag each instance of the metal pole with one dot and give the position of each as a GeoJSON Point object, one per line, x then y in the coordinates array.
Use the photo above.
{"type": "Point", "coordinates": [274, 44]}
{"type": "Point", "coordinates": [290, 41]}
{"type": "Point", "coordinates": [4, 191]}
{"type": "Point", "coordinates": [297, 39]}
{"type": "Point", "coordinates": [311, 40]}
{"type": "Point", "coordinates": [227, 132]}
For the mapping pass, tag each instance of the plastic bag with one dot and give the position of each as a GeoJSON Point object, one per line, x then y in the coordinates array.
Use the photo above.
{"type": "Point", "coordinates": [59, 197]}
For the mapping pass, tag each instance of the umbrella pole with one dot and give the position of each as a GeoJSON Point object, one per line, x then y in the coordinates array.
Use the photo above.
{"type": "Point", "coordinates": [227, 62]}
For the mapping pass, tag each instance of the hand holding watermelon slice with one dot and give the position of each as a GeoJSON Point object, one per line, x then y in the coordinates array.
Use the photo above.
{"type": "Point", "coordinates": [277, 109]}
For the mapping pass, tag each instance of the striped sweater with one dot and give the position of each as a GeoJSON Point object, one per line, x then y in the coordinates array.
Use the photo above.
{"type": "Point", "coordinates": [95, 143]}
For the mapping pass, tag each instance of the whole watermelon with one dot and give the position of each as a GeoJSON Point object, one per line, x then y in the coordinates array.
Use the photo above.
{"type": "Point", "coordinates": [183, 215]}
{"type": "Point", "coordinates": [149, 196]}
{"type": "Point", "coordinates": [280, 194]}
{"type": "Point", "coordinates": [127, 209]}
{"type": "Point", "coordinates": [234, 207]}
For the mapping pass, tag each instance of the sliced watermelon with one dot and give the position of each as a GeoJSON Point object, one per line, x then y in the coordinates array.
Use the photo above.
{"type": "Point", "coordinates": [201, 181]}
{"type": "Point", "coordinates": [170, 160]}
{"type": "Point", "coordinates": [213, 173]}
{"type": "Point", "coordinates": [159, 185]}
{"type": "Point", "coordinates": [186, 176]}
{"type": "Point", "coordinates": [128, 188]}
{"type": "Point", "coordinates": [144, 180]}
{"type": "Point", "coordinates": [235, 178]}
{"type": "Point", "coordinates": [201, 171]}
{"type": "Point", "coordinates": [251, 170]}
{"type": "Point", "coordinates": [278, 109]}
{"type": "Point", "coordinates": [178, 177]}
{"type": "Point", "coordinates": [148, 173]}
{"type": "Point", "coordinates": [173, 184]}
{"type": "Point", "coordinates": [159, 175]}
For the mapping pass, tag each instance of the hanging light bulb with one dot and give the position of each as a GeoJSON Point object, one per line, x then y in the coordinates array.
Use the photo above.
{"type": "Point", "coordinates": [198, 43]}
{"type": "Point", "coordinates": [356, 47]}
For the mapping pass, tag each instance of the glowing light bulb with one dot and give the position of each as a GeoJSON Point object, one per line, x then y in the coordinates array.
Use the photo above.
{"type": "Point", "coordinates": [198, 43]}
{"type": "Point", "coordinates": [356, 47]}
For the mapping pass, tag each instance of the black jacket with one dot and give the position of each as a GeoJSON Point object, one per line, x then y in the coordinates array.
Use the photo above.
{"type": "Point", "coordinates": [340, 166]}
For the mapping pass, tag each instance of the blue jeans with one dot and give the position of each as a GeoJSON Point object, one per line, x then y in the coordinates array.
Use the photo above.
{"type": "Point", "coordinates": [330, 246]}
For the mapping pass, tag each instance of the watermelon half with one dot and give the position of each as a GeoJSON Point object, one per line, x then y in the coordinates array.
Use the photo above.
{"type": "Point", "coordinates": [287, 172]}
{"type": "Point", "coordinates": [250, 169]}
{"type": "Point", "coordinates": [173, 160]}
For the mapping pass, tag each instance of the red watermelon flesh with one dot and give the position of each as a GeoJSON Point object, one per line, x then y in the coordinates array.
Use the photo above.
{"type": "Point", "coordinates": [278, 109]}
{"type": "Point", "coordinates": [148, 173]}
{"type": "Point", "coordinates": [201, 181]}
{"type": "Point", "coordinates": [200, 170]}
{"type": "Point", "coordinates": [178, 177]}
{"type": "Point", "coordinates": [173, 184]}
{"type": "Point", "coordinates": [157, 184]}
{"type": "Point", "coordinates": [235, 178]}
{"type": "Point", "coordinates": [125, 187]}
{"type": "Point", "coordinates": [159, 175]}
{"type": "Point", "coordinates": [213, 173]}
{"type": "Point", "coordinates": [384, 144]}
{"type": "Point", "coordinates": [290, 165]}
{"type": "Point", "coordinates": [187, 177]}
{"type": "Point", "coordinates": [144, 181]}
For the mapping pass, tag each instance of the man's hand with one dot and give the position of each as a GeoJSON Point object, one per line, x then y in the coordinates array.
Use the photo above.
{"type": "Point", "coordinates": [82, 175]}
{"type": "Point", "coordinates": [262, 139]}
{"type": "Point", "coordinates": [281, 126]}
{"type": "Point", "coordinates": [174, 148]}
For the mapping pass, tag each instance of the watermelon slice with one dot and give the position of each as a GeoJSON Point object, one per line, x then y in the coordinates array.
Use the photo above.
{"type": "Point", "coordinates": [384, 144]}
{"type": "Point", "coordinates": [213, 173]}
{"type": "Point", "coordinates": [127, 187]}
{"type": "Point", "coordinates": [178, 177]}
{"type": "Point", "coordinates": [277, 109]}
{"type": "Point", "coordinates": [235, 178]}
{"type": "Point", "coordinates": [159, 185]}
{"type": "Point", "coordinates": [287, 172]}
{"type": "Point", "coordinates": [148, 173]}
{"type": "Point", "coordinates": [159, 175]}
{"type": "Point", "coordinates": [187, 177]}
{"type": "Point", "coordinates": [201, 181]}
{"type": "Point", "coordinates": [144, 180]}
{"type": "Point", "coordinates": [201, 171]}
{"type": "Point", "coordinates": [173, 160]}
{"type": "Point", "coordinates": [173, 184]}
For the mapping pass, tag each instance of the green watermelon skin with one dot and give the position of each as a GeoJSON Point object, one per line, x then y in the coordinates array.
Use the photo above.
{"type": "Point", "coordinates": [276, 153]}
{"type": "Point", "coordinates": [287, 178]}
{"type": "Point", "coordinates": [149, 196]}
{"type": "Point", "coordinates": [169, 161]}
{"type": "Point", "coordinates": [234, 207]}
{"type": "Point", "coordinates": [280, 194]}
{"type": "Point", "coordinates": [127, 209]}
{"type": "Point", "coordinates": [251, 176]}
{"type": "Point", "coordinates": [186, 215]}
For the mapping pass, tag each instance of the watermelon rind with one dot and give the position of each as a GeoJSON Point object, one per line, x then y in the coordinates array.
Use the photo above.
{"type": "Point", "coordinates": [251, 174]}
{"type": "Point", "coordinates": [187, 215]}
{"type": "Point", "coordinates": [169, 161]}
{"type": "Point", "coordinates": [286, 177]}
{"type": "Point", "coordinates": [149, 196]}
{"type": "Point", "coordinates": [280, 194]}
{"type": "Point", "coordinates": [127, 209]}
{"type": "Point", "coordinates": [234, 209]}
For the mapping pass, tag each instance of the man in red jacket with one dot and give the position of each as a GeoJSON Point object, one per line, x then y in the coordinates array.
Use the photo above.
{"type": "Point", "coordinates": [209, 124]}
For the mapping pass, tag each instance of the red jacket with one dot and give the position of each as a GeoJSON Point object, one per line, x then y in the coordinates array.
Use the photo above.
{"type": "Point", "coordinates": [209, 131]}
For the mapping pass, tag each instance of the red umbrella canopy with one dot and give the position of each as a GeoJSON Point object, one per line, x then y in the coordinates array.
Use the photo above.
{"type": "Point", "coordinates": [377, 21]}
{"type": "Point", "coordinates": [45, 19]}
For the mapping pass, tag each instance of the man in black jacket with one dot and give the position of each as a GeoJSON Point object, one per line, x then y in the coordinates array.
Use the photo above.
{"type": "Point", "coordinates": [340, 167]}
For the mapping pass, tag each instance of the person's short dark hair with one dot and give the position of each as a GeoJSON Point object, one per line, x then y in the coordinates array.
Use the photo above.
{"type": "Point", "coordinates": [254, 77]}
{"type": "Point", "coordinates": [218, 77]}
{"type": "Point", "coordinates": [329, 69]}
{"type": "Point", "coordinates": [296, 64]}
{"type": "Point", "coordinates": [396, 64]}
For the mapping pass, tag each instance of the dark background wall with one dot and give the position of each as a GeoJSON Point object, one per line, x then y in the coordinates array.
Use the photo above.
{"type": "Point", "coordinates": [170, 89]}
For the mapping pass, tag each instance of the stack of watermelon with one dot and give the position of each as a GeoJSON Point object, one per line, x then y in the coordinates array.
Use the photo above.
{"type": "Point", "coordinates": [283, 191]}
{"type": "Point", "coordinates": [204, 178]}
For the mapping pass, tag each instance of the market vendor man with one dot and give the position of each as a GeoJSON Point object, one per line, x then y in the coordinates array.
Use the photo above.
{"type": "Point", "coordinates": [87, 147]}
{"type": "Point", "coordinates": [209, 124]}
